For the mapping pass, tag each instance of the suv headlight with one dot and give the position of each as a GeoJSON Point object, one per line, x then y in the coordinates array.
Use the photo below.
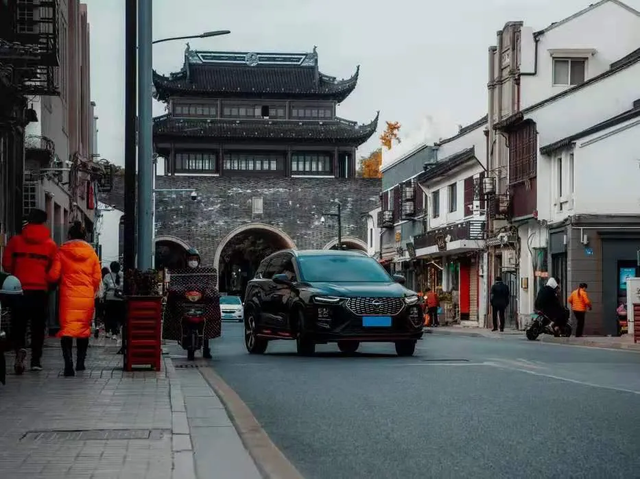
{"type": "Point", "coordinates": [326, 299]}
{"type": "Point", "coordinates": [411, 299]}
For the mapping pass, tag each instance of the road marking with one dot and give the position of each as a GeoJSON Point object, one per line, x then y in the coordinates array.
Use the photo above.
{"type": "Point", "coordinates": [438, 364]}
{"type": "Point", "coordinates": [271, 462]}
{"type": "Point", "coordinates": [560, 378]}
{"type": "Point", "coordinates": [522, 363]}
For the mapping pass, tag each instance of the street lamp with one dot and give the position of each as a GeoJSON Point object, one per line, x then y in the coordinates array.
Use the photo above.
{"type": "Point", "coordinates": [339, 216]}
{"type": "Point", "coordinates": [146, 168]}
{"type": "Point", "coordinates": [215, 33]}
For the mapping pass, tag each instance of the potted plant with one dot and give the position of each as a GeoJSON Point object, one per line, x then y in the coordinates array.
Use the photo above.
{"type": "Point", "coordinates": [142, 339]}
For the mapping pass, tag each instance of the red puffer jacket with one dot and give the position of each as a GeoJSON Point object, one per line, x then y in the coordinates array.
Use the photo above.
{"type": "Point", "coordinates": [29, 256]}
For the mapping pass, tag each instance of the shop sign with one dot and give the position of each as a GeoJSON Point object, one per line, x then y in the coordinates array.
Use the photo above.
{"type": "Point", "coordinates": [441, 242]}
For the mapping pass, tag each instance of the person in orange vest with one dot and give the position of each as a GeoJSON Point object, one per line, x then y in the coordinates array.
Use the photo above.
{"type": "Point", "coordinates": [433, 303]}
{"type": "Point", "coordinates": [579, 301]}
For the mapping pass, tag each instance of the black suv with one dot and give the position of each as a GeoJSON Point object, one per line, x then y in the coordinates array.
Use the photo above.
{"type": "Point", "coordinates": [317, 297]}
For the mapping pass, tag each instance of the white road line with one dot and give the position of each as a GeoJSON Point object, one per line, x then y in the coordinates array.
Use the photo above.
{"type": "Point", "coordinates": [560, 378]}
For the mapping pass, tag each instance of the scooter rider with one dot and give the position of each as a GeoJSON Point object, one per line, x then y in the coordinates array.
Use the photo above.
{"type": "Point", "coordinates": [193, 262]}
{"type": "Point", "coordinates": [548, 303]}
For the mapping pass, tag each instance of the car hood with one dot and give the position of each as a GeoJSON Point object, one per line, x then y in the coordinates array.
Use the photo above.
{"type": "Point", "coordinates": [368, 290]}
{"type": "Point", "coordinates": [231, 307]}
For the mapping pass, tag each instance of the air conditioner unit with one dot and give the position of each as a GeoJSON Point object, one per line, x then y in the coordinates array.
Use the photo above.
{"type": "Point", "coordinates": [508, 259]}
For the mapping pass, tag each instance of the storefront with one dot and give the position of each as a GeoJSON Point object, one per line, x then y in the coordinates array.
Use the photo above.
{"type": "Point", "coordinates": [454, 254]}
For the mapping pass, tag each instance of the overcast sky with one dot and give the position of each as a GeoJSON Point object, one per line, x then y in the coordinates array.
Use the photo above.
{"type": "Point", "coordinates": [418, 58]}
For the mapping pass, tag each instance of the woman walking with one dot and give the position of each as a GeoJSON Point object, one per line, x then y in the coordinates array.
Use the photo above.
{"type": "Point", "coordinates": [77, 268]}
{"type": "Point", "coordinates": [114, 300]}
{"type": "Point", "coordinates": [580, 303]}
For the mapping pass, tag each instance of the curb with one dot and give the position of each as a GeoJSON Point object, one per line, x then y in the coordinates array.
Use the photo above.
{"type": "Point", "coordinates": [591, 344]}
{"type": "Point", "coordinates": [270, 461]}
{"type": "Point", "coordinates": [184, 466]}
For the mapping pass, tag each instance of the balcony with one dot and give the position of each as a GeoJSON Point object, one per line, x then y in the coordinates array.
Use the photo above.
{"type": "Point", "coordinates": [385, 219]}
{"type": "Point", "coordinates": [457, 238]}
{"type": "Point", "coordinates": [39, 149]}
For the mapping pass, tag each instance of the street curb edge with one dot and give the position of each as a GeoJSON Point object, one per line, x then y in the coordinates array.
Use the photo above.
{"type": "Point", "coordinates": [269, 460]}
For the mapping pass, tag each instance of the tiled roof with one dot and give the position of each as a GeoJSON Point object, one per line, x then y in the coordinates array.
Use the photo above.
{"type": "Point", "coordinates": [434, 170]}
{"type": "Point", "coordinates": [273, 76]}
{"type": "Point", "coordinates": [328, 132]}
{"type": "Point", "coordinates": [609, 123]}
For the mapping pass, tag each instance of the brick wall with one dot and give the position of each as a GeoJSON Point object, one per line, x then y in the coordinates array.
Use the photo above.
{"type": "Point", "coordinates": [294, 205]}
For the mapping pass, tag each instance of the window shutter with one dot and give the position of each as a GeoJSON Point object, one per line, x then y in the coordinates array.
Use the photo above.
{"type": "Point", "coordinates": [468, 196]}
{"type": "Point", "coordinates": [397, 203]}
{"type": "Point", "coordinates": [385, 201]}
{"type": "Point", "coordinates": [479, 190]}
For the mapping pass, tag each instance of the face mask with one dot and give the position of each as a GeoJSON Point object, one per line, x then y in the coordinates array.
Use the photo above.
{"type": "Point", "coordinates": [193, 264]}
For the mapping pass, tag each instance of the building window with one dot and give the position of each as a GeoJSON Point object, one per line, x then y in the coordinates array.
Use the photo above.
{"type": "Point", "coordinates": [311, 163]}
{"type": "Point", "coordinates": [571, 175]}
{"type": "Point", "coordinates": [276, 112]}
{"type": "Point", "coordinates": [257, 205]}
{"type": "Point", "coordinates": [196, 162]}
{"type": "Point", "coordinates": [560, 178]}
{"type": "Point", "coordinates": [312, 113]}
{"type": "Point", "coordinates": [195, 109]}
{"type": "Point", "coordinates": [453, 197]}
{"type": "Point", "coordinates": [370, 237]}
{"type": "Point", "coordinates": [569, 71]}
{"type": "Point", "coordinates": [253, 161]}
{"type": "Point", "coordinates": [435, 204]}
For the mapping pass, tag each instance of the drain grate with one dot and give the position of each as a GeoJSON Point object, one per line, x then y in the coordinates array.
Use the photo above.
{"type": "Point", "coordinates": [94, 435]}
{"type": "Point", "coordinates": [186, 366]}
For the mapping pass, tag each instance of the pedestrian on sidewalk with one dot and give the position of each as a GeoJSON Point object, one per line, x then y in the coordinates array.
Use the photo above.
{"type": "Point", "coordinates": [579, 301]}
{"type": "Point", "coordinates": [113, 283]}
{"type": "Point", "coordinates": [77, 268]}
{"type": "Point", "coordinates": [433, 303]}
{"type": "Point", "coordinates": [29, 256]}
{"type": "Point", "coordinates": [500, 295]}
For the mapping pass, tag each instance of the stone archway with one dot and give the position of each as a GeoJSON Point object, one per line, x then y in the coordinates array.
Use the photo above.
{"type": "Point", "coordinates": [350, 242]}
{"type": "Point", "coordinates": [241, 250]}
{"type": "Point", "coordinates": [170, 252]}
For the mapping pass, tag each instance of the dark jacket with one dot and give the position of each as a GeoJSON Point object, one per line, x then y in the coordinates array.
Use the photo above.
{"type": "Point", "coordinates": [548, 303]}
{"type": "Point", "coordinates": [500, 295]}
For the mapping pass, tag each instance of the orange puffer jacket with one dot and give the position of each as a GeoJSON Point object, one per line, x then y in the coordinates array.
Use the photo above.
{"type": "Point", "coordinates": [579, 300]}
{"type": "Point", "coordinates": [77, 268]}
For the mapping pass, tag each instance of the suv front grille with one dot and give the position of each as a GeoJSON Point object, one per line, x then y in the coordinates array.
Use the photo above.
{"type": "Point", "coordinates": [375, 306]}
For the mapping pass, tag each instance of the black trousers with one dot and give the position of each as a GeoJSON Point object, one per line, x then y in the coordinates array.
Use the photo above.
{"type": "Point", "coordinates": [498, 312]}
{"type": "Point", "coordinates": [579, 315]}
{"type": "Point", "coordinates": [114, 316]}
{"type": "Point", "coordinates": [433, 315]}
{"type": "Point", "coordinates": [30, 310]}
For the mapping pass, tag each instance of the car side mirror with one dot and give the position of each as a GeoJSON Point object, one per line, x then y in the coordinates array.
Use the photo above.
{"type": "Point", "coordinates": [398, 278]}
{"type": "Point", "coordinates": [281, 279]}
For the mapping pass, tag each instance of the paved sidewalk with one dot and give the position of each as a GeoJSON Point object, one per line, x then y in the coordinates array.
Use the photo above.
{"type": "Point", "coordinates": [108, 424]}
{"type": "Point", "coordinates": [622, 342]}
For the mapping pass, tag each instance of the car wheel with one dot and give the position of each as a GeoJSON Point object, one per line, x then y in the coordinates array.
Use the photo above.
{"type": "Point", "coordinates": [304, 344]}
{"type": "Point", "coordinates": [254, 344]}
{"type": "Point", "coordinates": [191, 354]}
{"type": "Point", "coordinates": [348, 347]}
{"type": "Point", "coordinates": [405, 348]}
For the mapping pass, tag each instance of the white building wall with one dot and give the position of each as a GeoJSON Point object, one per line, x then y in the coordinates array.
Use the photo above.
{"type": "Point", "coordinates": [474, 138]}
{"type": "Point", "coordinates": [108, 228]}
{"type": "Point", "coordinates": [532, 235]}
{"type": "Point", "coordinates": [373, 233]}
{"type": "Point", "coordinates": [611, 30]}
{"type": "Point", "coordinates": [595, 181]}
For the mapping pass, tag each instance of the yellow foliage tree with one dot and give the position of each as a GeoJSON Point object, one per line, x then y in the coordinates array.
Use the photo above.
{"type": "Point", "coordinates": [391, 134]}
{"type": "Point", "coordinates": [371, 164]}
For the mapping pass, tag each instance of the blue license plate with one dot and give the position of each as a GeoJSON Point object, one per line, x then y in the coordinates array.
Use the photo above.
{"type": "Point", "coordinates": [376, 321]}
{"type": "Point", "coordinates": [227, 316]}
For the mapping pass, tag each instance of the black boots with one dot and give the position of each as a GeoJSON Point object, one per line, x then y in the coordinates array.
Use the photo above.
{"type": "Point", "coordinates": [67, 353]}
{"type": "Point", "coordinates": [82, 345]}
{"type": "Point", "coordinates": [206, 351]}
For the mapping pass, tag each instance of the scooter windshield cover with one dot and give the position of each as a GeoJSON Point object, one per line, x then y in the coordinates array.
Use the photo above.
{"type": "Point", "coordinates": [193, 296]}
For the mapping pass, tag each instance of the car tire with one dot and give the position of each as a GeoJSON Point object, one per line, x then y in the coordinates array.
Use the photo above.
{"type": "Point", "coordinates": [305, 345]}
{"type": "Point", "coordinates": [348, 347]}
{"type": "Point", "coordinates": [253, 344]}
{"type": "Point", "coordinates": [191, 354]}
{"type": "Point", "coordinates": [405, 348]}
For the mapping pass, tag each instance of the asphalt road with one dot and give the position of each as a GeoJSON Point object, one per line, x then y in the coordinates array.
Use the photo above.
{"type": "Point", "coordinates": [461, 407]}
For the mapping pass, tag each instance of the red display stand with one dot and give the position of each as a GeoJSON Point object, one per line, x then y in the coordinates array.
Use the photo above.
{"type": "Point", "coordinates": [636, 323]}
{"type": "Point", "coordinates": [143, 332]}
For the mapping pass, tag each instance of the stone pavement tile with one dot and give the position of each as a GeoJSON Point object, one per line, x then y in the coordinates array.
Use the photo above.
{"type": "Point", "coordinates": [101, 398]}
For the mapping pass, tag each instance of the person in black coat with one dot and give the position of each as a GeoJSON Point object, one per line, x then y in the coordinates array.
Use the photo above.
{"type": "Point", "coordinates": [548, 303]}
{"type": "Point", "coordinates": [499, 301]}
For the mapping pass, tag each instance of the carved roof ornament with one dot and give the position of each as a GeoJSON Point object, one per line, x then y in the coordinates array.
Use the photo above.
{"type": "Point", "coordinates": [311, 59]}
{"type": "Point", "coordinates": [191, 55]}
{"type": "Point", "coordinates": [252, 59]}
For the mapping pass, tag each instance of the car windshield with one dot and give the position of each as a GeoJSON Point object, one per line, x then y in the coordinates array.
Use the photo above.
{"type": "Point", "coordinates": [230, 300]}
{"type": "Point", "coordinates": [342, 269]}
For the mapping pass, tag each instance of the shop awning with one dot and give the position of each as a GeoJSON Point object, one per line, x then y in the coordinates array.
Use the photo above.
{"type": "Point", "coordinates": [453, 248]}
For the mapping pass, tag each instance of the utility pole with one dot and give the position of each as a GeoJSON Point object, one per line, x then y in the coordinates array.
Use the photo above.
{"type": "Point", "coordinates": [131, 53]}
{"type": "Point", "coordinates": [145, 136]}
